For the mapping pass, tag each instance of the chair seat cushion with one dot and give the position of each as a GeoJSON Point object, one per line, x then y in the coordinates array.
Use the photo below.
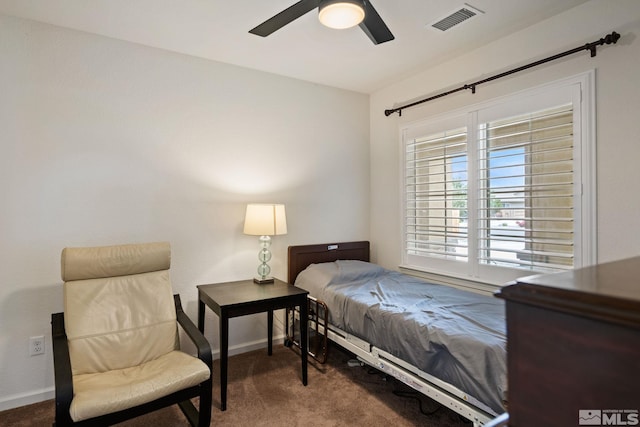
{"type": "Point", "coordinates": [102, 393]}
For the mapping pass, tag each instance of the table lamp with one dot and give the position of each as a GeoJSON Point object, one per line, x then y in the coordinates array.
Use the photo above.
{"type": "Point", "coordinates": [265, 220]}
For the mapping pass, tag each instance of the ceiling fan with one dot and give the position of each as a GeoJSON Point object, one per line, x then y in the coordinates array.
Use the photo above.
{"type": "Point", "coordinates": [332, 13]}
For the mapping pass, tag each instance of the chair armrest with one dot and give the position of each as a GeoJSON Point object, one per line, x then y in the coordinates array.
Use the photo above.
{"type": "Point", "coordinates": [204, 349]}
{"type": "Point", "coordinates": [62, 370]}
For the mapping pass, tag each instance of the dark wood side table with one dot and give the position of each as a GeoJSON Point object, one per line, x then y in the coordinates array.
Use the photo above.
{"type": "Point", "coordinates": [233, 299]}
{"type": "Point", "coordinates": [573, 346]}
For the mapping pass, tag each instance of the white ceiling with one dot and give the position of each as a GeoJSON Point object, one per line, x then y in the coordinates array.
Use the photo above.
{"type": "Point", "coordinates": [304, 49]}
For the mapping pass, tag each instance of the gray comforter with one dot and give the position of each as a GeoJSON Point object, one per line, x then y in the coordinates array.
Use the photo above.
{"type": "Point", "coordinates": [454, 335]}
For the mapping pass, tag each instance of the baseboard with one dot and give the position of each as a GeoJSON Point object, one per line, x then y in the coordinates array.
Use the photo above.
{"type": "Point", "coordinates": [28, 398]}
{"type": "Point", "coordinates": [250, 346]}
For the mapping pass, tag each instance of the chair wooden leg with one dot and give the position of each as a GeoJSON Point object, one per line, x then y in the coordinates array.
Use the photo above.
{"type": "Point", "coordinates": [205, 403]}
{"type": "Point", "coordinates": [189, 411]}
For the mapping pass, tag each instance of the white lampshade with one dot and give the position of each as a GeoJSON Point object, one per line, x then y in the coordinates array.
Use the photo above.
{"type": "Point", "coordinates": [341, 14]}
{"type": "Point", "coordinates": [265, 220]}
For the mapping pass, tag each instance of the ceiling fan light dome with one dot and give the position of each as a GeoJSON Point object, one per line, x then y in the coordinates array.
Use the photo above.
{"type": "Point", "coordinates": [341, 14]}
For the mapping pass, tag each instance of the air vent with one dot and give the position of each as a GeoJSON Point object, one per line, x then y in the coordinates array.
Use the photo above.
{"type": "Point", "coordinates": [456, 18]}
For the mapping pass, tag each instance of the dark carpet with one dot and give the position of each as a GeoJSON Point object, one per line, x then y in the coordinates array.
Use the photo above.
{"type": "Point", "coordinates": [267, 391]}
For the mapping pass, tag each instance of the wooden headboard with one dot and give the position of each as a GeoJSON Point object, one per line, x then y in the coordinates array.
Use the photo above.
{"type": "Point", "coordinates": [300, 257]}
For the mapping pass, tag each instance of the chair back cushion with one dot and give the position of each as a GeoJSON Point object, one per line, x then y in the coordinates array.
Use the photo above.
{"type": "Point", "coordinates": [118, 306]}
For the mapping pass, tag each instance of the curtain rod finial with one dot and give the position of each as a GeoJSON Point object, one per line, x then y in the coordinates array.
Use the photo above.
{"type": "Point", "coordinates": [612, 38]}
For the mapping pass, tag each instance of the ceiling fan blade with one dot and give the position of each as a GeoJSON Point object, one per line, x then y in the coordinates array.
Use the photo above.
{"type": "Point", "coordinates": [283, 18]}
{"type": "Point", "coordinates": [374, 26]}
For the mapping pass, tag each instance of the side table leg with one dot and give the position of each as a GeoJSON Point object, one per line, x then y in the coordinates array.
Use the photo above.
{"type": "Point", "coordinates": [201, 316]}
{"type": "Point", "coordinates": [304, 329]}
{"type": "Point", "coordinates": [270, 332]}
{"type": "Point", "coordinates": [224, 353]}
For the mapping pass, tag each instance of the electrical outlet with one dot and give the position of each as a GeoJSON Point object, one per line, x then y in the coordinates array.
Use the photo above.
{"type": "Point", "coordinates": [36, 345]}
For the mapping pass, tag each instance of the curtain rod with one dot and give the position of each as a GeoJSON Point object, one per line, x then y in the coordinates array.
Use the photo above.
{"type": "Point", "coordinates": [608, 39]}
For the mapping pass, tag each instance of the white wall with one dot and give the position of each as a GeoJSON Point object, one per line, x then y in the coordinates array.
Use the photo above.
{"type": "Point", "coordinates": [106, 142]}
{"type": "Point", "coordinates": [618, 113]}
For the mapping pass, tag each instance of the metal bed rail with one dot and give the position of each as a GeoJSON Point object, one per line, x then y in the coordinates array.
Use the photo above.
{"type": "Point", "coordinates": [317, 337]}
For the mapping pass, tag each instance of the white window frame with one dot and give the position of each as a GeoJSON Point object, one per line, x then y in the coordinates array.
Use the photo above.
{"type": "Point", "coordinates": [580, 89]}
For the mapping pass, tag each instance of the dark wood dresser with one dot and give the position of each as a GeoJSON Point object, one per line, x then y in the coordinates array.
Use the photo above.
{"type": "Point", "coordinates": [573, 346]}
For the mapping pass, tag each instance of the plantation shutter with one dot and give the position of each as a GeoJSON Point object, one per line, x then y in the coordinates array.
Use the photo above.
{"type": "Point", "coordinates": [504, 187]}
{"type": "Point", "coordinates": [526, 191]}
{"type": "Point", "coordinates": [436, 195]}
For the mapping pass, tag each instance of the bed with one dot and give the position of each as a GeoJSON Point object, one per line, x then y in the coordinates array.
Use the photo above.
{"type": "Point", "coordinates": [446, 343]}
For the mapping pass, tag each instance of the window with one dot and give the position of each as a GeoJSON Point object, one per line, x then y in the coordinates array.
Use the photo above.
{"type": "Point", "coordinates": [497, 191]}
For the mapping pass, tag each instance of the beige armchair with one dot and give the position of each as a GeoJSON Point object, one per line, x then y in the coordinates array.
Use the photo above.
{"type": "Point", "coordinates": [116, 346]}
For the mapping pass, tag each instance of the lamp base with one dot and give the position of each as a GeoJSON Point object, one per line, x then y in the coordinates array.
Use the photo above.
{"type": "Point", "coordinates": [263, 280]}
